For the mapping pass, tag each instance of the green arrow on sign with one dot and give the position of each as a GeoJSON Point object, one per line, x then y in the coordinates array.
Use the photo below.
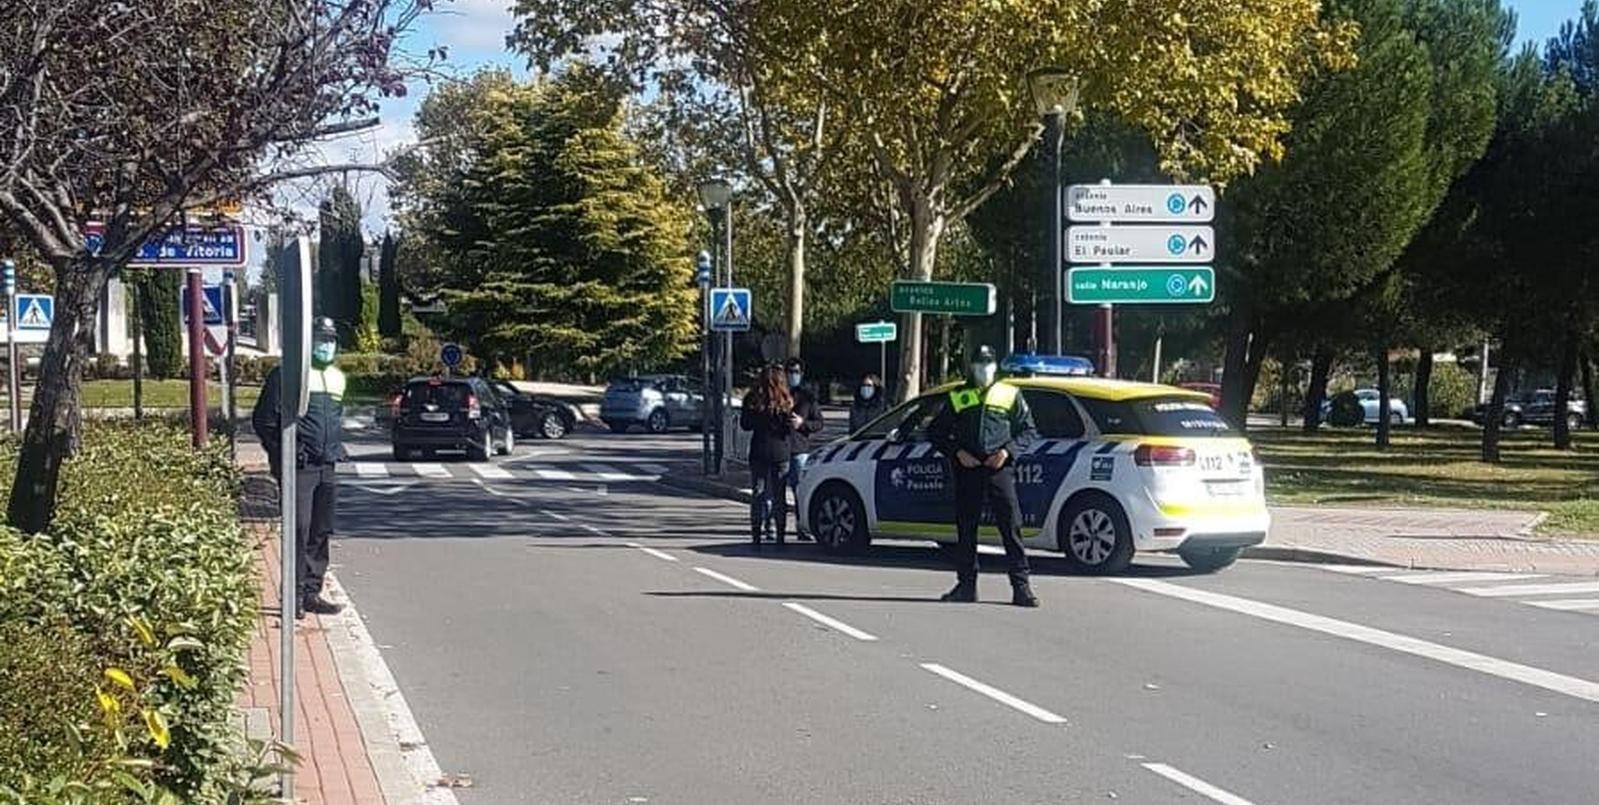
{"type": "Point", "coordinates": [1141, 285]}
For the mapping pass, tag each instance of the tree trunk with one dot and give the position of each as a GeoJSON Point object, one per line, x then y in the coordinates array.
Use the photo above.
{"type": "Point", "coordinates": [1316, 392]}
{"type": "Point", "coordinates": [927, 227]}
{"type": "Point", "coordinates": [1384, 407]}
{"type": "Point", "coordinates": [1493, 421]}
{"type": "Point", "coordinates": [1257, 359]}
{"type": "Point", "coordinates": [1423, 395]}
{"type": "Point", "coordinates": [1234, 399]}
{"type": "Point", "coordinates": [941, 363]}
{"type": "Point", "coordinates": [1592, 418]}
{"type": "Point", "coordinates": [138, 352]}
{"type": "Point", "coordinates": [1563, 378]}
{"type": "Point", "coordinates": [1283, 384]}
{"type": "Point", "coordinates": [796, 279]}
{"type": "Point", "coordinates": [53, 419]}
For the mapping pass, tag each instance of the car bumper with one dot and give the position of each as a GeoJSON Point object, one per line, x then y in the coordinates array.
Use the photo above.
{"type": "Point", "coordinates": [438, 440]}
{"type": "Point", "coordinates": [1219, 523]}
{"type": "Point", "coordinates": [630, 416]}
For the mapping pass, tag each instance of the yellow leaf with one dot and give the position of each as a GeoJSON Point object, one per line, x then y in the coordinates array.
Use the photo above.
{"type": "Point", "coordinates": [108, 703]}
{"type": "Point", "coordinates": [180, 677]}
{"type": "Point", "coordinates": [157, 725]}
{"type": "Point", "coordinates": [141, 627]}
{"type": "Point", "coordinates": [120, 677]}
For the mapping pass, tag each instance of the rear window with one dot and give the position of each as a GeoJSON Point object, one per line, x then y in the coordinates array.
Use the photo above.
{"type": "Point", "coordinates": [1157, 416]}
{"type": "Point", "coordinates": [444, 395]}
{"type": "Point", "coordinates": [634, 383]}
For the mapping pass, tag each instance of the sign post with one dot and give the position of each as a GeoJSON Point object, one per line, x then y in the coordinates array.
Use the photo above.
{"type": "Point", "coordinates": [230, 315]}
{"type": "Point", "coordinates": [197, 362]}
{"type": "Point", "coordinates": [881, 333]}
{"type": "Point", "coordinates": [294, 285]}
{"type": "Point", "coordinates": [702, 278]}
{"type": "Point", "coordinates": [13, 386]}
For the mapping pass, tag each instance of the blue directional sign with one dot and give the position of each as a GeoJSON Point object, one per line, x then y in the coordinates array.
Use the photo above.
{"type": "Point", "coordinates": [730, 309]}
{"type": "Point", "coordinates": [451, 355]}
{"type": "Point", "coordinates": [34, 311]}
{"type": "Point", "coordinates": [210, 302]}
{"type": "Point", "coordinates": [223, 245]}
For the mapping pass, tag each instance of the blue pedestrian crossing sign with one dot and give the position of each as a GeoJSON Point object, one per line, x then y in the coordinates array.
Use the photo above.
{"type": "Point", "coordinates": [210, 303]}
{"type": "Point", "coordinates": [34, 311]}
{"type": "Point", "coordinates": [730, 310]}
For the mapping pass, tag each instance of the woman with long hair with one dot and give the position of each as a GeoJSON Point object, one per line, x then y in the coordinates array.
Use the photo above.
{"type": "Point", "coordinates": [769, 417]}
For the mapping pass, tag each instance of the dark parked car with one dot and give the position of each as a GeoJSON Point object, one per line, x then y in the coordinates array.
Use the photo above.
{"type": "Point", "coordinates": [1537, 408]}
{"type": "Point", "coordinates": [658, 402]}
{"type": "Point", "coordinates": [536, 416]}
{"type": "Point", "coordinates": [451, 413]}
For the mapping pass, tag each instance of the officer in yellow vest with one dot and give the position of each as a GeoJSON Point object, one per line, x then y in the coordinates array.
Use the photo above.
{"type": "Point", "coordinates": [981, 431]}
{"type": "Point", "coordinates": [321, 448]}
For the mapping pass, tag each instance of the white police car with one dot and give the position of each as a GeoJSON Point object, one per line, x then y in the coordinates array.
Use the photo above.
{"type": "Point", "coordinates": [1119, 467]}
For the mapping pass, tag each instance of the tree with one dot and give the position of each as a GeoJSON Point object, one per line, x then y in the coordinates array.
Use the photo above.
{"type": "Point", "coordinates": [130, 113]}
{"type": "Point", "coordinates": [339, 252]}
{"type": "Point", "coordinates": [389, 288]}
{"type": "Point", "coordinates": [936, 89]}
{"type": "Point", "coordinates": [161, 322]}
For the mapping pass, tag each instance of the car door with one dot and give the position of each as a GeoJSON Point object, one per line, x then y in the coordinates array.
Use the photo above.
{"type": "Point", "coordinates": [675, 396]}
{"type": "Point", "coordinates": [1045, 467]}
{"type": "Point", "coordinates": [693, 401]}
{"type": "Point", "coordinates": [913, 487]}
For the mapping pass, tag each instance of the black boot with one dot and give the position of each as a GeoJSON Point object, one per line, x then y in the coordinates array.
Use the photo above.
{"type": "Point", "coordinates": [1022, 595]}
{"type": "Point", "coordinates": [964, 592]}
{"type": "Point", "coordinates": [317, 605]}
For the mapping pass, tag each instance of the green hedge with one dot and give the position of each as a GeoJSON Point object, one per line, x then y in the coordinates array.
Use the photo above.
{"type": "Point", "coordinates": [123, 631]}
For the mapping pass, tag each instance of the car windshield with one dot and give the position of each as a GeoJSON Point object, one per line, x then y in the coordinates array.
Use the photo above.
{"type": "Point", "coordinates": [1157, 416]}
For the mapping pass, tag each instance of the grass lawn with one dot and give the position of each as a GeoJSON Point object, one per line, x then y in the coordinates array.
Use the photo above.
{"type": "Point", "coordinates": [158, 394]}
{"type": "Point", "coordinates": [1437, 467]}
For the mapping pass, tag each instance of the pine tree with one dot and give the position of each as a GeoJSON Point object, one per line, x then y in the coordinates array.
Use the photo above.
{"type": "Point", "coordinates": [338, 282]}
{"type": "Point", "coordinates": [389, 289]}
{"type": "Point", "coordinates": [162, 325]}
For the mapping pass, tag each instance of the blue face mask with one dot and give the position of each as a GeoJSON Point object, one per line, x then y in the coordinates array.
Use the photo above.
{"type": "Point", "coordinates": [323, 353]}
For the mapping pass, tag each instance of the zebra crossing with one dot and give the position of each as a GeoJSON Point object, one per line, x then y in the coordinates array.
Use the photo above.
{"type": "Point", "coordinates": [1564, 594]}
{"type": "Point", "coordinates": [586, 472]}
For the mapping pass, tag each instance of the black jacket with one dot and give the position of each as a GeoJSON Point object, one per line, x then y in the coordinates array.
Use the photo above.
{"type": "Point", "coordinates": [982, 429]}
{"type": "Point", "coordinates": [321, 437]}
{"type": "Point", "coordinates": [770, 433]}
{"type": "Point", "coordinates": [862, 411]}
{"type": "Point", "coordinates": [801, 438]}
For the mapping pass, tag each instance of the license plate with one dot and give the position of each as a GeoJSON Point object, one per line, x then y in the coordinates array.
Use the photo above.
{"type": "Point", "coordinates": [436, 417]}
{"type": "Point", "coordinates": [1227, 489]}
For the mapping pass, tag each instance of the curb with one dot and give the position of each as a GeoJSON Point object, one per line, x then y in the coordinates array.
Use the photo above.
{"type": "Point", "coordinates": [1316, 557]}
{"type": "Point", "coordinates": [707, 488]}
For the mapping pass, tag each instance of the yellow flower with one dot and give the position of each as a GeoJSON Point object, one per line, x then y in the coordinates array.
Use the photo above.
{"type": "Point", "coordinates": [120, 677]}
{"type": "Point", "coordinates": [141, 627]}
{"type": "Point", "coordinates": [157, 725]}
{"type": "Point", "coordinates": [108, 703]}
{"type": "Point", "coordinates": [180, 676]}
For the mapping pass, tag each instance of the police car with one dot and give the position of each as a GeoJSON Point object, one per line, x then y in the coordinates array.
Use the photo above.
{"type": "Point", "coordinates": [1119, 468]}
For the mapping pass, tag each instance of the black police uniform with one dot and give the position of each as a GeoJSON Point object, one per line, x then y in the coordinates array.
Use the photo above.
{"type": "Point", "coordinates": [983, 422]}
{"type": "Point", "coordinates": [321, 448]}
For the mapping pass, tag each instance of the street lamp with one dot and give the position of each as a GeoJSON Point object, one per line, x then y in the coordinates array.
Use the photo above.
{"type": "Point", "coordinates": [1055, 91]}
{"type": "Point", "coordinates": [702, 278]}
{"type": "Point", "coordinates": [716, 196]}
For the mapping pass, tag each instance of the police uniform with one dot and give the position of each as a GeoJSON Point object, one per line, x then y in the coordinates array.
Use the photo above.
{"type": "Point", "coordinates": [982, 421]}
{"type": "Point", "coordinates": [320, 449]}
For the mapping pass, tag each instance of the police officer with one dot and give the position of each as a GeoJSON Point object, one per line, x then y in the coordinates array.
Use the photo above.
{"type": "Point", "coordinates": [321, 448]}
{"type": "Point", "coordinates": [981, 431]}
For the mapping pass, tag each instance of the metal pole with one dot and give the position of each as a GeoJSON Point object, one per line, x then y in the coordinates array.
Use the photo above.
{"type": "Point", "coordinates": [294, 283]}
{"type": "Point", "coordinates": [705, 379]}
{"type": "Point", "coordinates": [727, 343]}
{"type": "Point", "coordinates": [1054, 134]}
{"type": "Point", "coordinates": [197, 360]}
{"type": "Point", "coordinates": [1105, 327]}
{"type": "Point", "coordinates": [1154, 374]}
{"type": "Point", "coordinates": [882, 364]}
{"type": "Point", "coordinates": [230, 312]}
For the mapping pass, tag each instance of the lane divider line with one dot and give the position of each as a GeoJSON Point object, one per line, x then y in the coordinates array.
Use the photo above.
{"type": "Point", "coordinates": [1470, 660]}
{"type": "Point", "coordinates": [830, 622]}
{"type": "Point", "coordinates": [1532, 589]}
{"type": "Point", "coordinates": [728, 580]}
{"type": "Point", "coordinates": [995, 693]}
{"type": "Point", "coordinates": [555, 515]}
{"type": "Point", "coordinates": [1196, 785]}
{"type": "Point", "coordinates": [652, 552]}
{"type": "Point", "coordinates": [593, 530]}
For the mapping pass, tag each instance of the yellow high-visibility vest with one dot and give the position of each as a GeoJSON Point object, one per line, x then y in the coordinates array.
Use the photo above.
{"type": "Point", "coordinates": [1000, 397]}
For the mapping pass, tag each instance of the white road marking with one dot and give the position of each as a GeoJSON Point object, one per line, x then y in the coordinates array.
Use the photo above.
{"type": "Point", "coordinates": [1196, 785]}
{"type": "Point", "coordinates": [555, 515]}
{"type": "Point", "coordinates": [555, 475]}
{"type": "Point", "coordinates": [1457, 578]}
{"type": "Point", "coordinates": [652, 552]}
{"type": "Point", "coordinates": [1504, 669]}
{"type": "Point", "coordinates": [655, 469]}
{"type": "Point", "coordinates": [1532, 589]}
{"type": "Point", "coordinates": [431, 470]}
{"type": "Point", "coordinates": [609, 473]}
{"type": "Point", "coordinates": [492, 472]}
{"type": "Point", "coordinates": [728, 580]}
{"type": "Point", "coordinates": [371, 469]}
{"type": "Point", "coordinates": [387, 488]}
{"type": "Point", "coordinates": [1567, 604]}
{"type": "Point", "coordinates": [536, 454]}
{"type": "Point", "coordinates": [593, 530]}
{"type": "Point", "coordinates": [830, 622]}
{"type": "Point", "coordinates": [995, 693]}
{"type": "Point", "coordinates": [1358, 570]}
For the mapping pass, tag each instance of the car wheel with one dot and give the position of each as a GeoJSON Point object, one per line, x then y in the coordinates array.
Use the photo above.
{"type": "Point", "coordinates": [1209, 560]}
{"type": "Point", "coordinates": [838, 520]}
{"type": "Point", "coordinates": [1095, 536]}
{"type": "Point", "coordinates": [658, 422]}
{"type": "Point", "coordinates": [509, 445]}
{"type": "Point", "coordinates": [617, 427]}
{"type": "Point", "coordinates": [481, 452]}
{"type": "Point", "coordinates": [552, 426]}
{"type": "Point", "coordinates": [1512, 420]}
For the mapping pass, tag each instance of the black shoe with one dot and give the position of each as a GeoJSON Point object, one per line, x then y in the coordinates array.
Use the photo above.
{"type": "Point", "coordinates": [803, 537]}
{"type": "Point", "coordinates": [964, 593]}
{"type": "Point", "coordinates": [299, 611]}
{"type": "Point", "coordinates": [1022, 596]}
{"type": "Point", "coordinates": [317, 605]}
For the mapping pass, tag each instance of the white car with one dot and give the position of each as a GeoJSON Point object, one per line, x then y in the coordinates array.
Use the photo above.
{"type": "Point", "coordinates": [1371, 407]}
{"type": "Point", "coordinates": [1120, 468]}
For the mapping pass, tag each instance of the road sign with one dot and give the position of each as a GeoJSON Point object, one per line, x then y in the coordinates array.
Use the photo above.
{"type": "Point", "coordinates": [702, 270]}
{"type": "Point", "coordinates": [1140, 244]}
{"type": "Point", "coordinates": [220, 245]}
{"type": "Point", "coordinates": [876, 332]}
{"type": "Point", "coordinates": [210, 301]}
{"type": "Point", "coordinates": [1141, 285]}
{"type": "Point", "coordinates": [730, 309]}
{"type": "Point", "coordinates": [952, 298]}
{"type": "Point", "coordinates": [35, 311]}
{"type": "Point", "coordinates": [1141, 203]}
{"type": "Point", "coordinates": [451, 355]}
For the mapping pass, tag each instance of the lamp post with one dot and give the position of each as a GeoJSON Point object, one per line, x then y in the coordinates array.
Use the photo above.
{"type": "Point", "coordinates": [702, 278]}
{"type": "Point", "coordinates": [13, 386]}
{"type": "Point", "coordinates": [716, 196]}
{"type": "Point", "coordinates": [1055, 91]}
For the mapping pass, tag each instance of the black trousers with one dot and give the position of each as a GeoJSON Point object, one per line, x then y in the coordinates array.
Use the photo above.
{"type": "Point", "coordinates": [770, 498]}
{"type": "Point", "coordinates": [996, 488]}
{"type": "Point", "coordinates": [316, 503]}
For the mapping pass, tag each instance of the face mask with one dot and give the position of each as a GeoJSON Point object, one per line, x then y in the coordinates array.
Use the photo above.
{"type": "Point", "coordinates": [794, 379]}
{"type": "Point", "coordinates": [322, 354]}
{"type": "Point", "coordinates": [868, 392]}
{"type": "Point", "coordinates": [983, 374]}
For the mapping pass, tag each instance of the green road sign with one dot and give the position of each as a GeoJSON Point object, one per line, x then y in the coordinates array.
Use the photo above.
{"type": "Point", "coordinates": [1141, 285]}
{"type": "Point", "coordinates": [952, 298]}
{"type": "Point", "coordinates": [876, 332]}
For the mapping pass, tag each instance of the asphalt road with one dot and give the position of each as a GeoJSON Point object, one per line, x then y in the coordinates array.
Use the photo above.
{"type": "Point", "coordinates": [568, 630]}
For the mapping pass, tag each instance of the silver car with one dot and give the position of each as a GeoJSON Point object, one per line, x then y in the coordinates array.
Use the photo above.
{"type": "Point", "coordinates": [658, 403]}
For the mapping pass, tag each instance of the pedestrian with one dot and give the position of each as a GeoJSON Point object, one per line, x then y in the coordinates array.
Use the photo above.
{"type": "Point", "coordinates": [770, 418]}
{"type": "Point", "coordinates": [981, 430]}
{"type": "Point", "coordinates": [869, 404]}
{"type": "Point", "coordinates": [320, 449]}
{"type": "Point", "coordinates": [807, 429]}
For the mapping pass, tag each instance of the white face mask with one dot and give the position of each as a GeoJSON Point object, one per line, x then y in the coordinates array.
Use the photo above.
{"type": "Point", "coordinates": [868, 392]}
{"type": "Point", "coordinates": [794, 379]}
{"type": "Point", "coordinates": [984, 374]}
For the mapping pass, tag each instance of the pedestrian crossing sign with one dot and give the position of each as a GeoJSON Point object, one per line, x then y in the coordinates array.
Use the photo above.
{"type": "Point", "coordinates": [35, 311]}
{"type": "Point", "coordinates": [730, 309]}
{"type": "Point", "coordinates": [210, 305]}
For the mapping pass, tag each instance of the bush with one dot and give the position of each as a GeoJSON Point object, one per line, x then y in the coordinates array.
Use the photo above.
{"type": "Point", "coordinates": [252, 369]}
{"type": "Point", "coordinates": [1453, 390]}
{"type": "Point", "coordinates": [124, 629]}
{"type": "Point", "coordinates": [1346, 411]}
